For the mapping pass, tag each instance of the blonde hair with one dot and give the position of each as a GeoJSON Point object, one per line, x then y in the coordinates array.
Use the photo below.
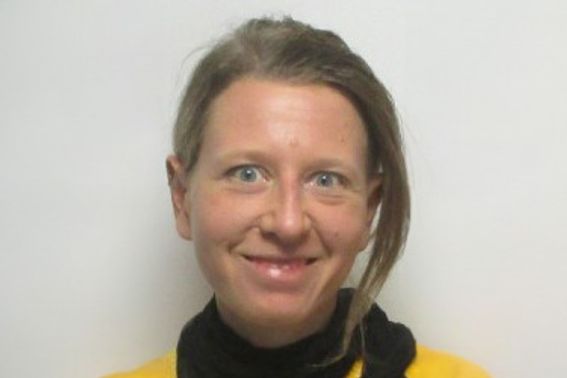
{"type": "Point", "coordinates": [295, 52]}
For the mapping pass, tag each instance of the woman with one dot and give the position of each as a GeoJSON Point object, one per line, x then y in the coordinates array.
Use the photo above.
{"type": "Point", "coordinates": [286, 146]}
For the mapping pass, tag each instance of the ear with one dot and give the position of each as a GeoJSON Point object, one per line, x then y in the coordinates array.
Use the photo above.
{"type": "Point", "coordinates": [178, 187]}
{"type": "Point", "coordinates": [374, 196]}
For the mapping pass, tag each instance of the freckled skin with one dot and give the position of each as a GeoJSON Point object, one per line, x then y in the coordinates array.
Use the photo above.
{"type": "Point", "coordinates": [292, 136]}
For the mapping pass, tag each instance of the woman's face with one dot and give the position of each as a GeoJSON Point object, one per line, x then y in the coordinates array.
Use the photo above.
{"type": "Point", "coordinates": [279, 203]}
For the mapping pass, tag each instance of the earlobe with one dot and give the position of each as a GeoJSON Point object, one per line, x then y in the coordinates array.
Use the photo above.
{"type": "Point", "coordinates": [177, 181]}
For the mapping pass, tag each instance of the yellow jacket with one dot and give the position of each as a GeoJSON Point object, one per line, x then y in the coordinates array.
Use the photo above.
{"type": "Point", "coordinates": [428, 363]}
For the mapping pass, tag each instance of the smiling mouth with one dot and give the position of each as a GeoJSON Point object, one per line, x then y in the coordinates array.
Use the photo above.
{"type": "Point", "coordinates": [281, 263]}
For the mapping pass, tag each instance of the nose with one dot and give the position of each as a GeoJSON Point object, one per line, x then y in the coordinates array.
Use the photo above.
{"type": "Point", "coordinates": [286, 218]}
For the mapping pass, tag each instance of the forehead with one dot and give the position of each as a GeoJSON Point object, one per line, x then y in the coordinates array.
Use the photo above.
{"type": "Point", "coordinates": [300, 113]}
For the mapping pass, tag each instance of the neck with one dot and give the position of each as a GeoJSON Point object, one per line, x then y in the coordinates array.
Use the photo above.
{"type": "Point", "coordinates": [274, 333]}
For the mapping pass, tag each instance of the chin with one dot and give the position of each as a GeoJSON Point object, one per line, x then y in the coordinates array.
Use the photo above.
{"type": "Point", "coordinates": [286, 309]}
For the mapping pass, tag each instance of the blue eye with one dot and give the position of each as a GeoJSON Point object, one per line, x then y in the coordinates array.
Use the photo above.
{"type": "Point", "coordinates": [246, 173]}
{"type": "Point", "coordinates": [327, 180]}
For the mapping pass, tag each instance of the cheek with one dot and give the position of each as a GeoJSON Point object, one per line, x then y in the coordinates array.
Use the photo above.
{"type": "Point", "coordinates": [213, 229]}
{"type": "Point", "coordinates": [217, 221]}
{"type": "Point", "coordinates": [207, 217]}
{"type": "Point", "coordinates": [346, 230]}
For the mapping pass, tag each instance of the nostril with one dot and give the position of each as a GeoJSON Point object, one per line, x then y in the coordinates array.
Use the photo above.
{"type": "Point", "coordinates": [285, 221]}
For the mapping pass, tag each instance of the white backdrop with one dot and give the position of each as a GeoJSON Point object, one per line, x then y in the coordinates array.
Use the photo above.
{"type": "Point", "coordinates": [92, 275]}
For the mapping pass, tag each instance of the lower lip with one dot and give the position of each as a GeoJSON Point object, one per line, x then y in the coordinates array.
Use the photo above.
{"type": "Point", "coordinates": [285, 275]}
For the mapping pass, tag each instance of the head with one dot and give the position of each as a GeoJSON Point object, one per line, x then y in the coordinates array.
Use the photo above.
{"type": "Point", "coordinates": [287, 51]}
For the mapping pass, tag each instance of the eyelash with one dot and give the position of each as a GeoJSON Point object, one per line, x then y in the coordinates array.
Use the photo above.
{"type": "Point", "coordinates": [337, 179]}
{"type": "Point", "coordinates": [234, 172]}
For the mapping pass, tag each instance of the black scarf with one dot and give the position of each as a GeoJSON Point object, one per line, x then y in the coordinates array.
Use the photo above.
{"type": "Point", "coordinates": [208, 348]}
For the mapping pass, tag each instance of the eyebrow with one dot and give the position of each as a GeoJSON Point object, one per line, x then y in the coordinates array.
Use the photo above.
{"type": "Point", "coordinates": [243, 154]}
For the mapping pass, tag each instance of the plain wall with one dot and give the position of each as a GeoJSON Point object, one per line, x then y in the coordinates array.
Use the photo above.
{"type": "Point", "coordinates": [93, 277]}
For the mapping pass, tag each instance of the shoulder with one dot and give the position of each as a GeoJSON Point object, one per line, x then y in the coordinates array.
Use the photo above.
{"type": "Point", "coordinates": [429, 363]}
{"type": "Point", "coordinates": [163, 367]}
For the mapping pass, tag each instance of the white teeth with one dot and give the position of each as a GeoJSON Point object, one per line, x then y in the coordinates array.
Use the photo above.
{"type": "Point", "coordinates": [274, 271]}
{"type": "Point", "coordinates": [282, 266]}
